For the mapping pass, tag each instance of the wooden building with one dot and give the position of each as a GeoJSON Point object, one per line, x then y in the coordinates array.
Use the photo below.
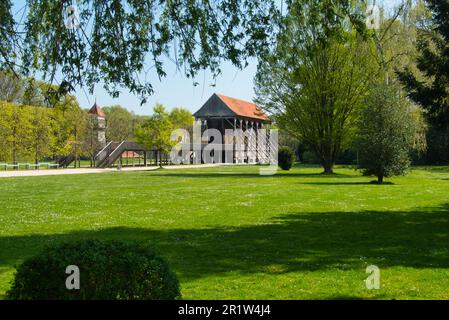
{"type": "Point", "coordinates": [221, 112]}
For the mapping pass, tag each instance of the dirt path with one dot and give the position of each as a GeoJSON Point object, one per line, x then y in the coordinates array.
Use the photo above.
{"type": "Point", "coordinates": [51, 172]}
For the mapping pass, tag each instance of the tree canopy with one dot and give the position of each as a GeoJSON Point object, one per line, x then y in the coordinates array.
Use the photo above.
{"type": "Point", "coordinates": [155, 132]}
{"type": "Point", "coordinates": [121, 42]}
{"type": "Point", "coordinates": [433, 63]}
{"type": "Point", "coordinates": [120, 123]}
{"type": "Point", "coordinates": [314, 80]}
{"type": "Point", "coordinates": [387, 133]}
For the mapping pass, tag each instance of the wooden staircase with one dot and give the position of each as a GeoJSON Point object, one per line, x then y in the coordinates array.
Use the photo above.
{"type": "Point", "coordinates": [65, 161]}
{"type": "Point", "coordinates": [113, 150]}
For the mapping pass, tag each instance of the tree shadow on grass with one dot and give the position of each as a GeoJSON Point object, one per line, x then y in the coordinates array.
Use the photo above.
{"type": "Point", "coordinates": [243, 175]}
{"type": "Point", "coordinates": [346, 298]}
{"type": "Point", "coordinates": [251, 171]}
{"type": "Point", "coordinates": [349, 183]}
{"type": "Point", "coordinates": [290, 243]}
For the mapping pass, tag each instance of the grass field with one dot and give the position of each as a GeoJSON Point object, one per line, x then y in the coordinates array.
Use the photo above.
{"type": "Point", "coordinates": [229, 233]}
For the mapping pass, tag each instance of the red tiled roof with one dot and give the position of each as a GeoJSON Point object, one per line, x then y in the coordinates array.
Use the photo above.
{"type": "Point", "coordinates": [244, 108]}
{"type": "Point", "coordinates": [130, 154]}
{"type": "Point", "coordinates": [96, 110]}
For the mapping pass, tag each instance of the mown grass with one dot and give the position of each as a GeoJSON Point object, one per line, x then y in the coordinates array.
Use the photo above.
{"type": "Point", "coordinates": [231, 234]}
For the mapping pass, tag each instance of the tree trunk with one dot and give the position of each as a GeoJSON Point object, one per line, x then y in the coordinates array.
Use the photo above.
{"type": "Point", "coordinates": [328, 169]}
{"type": "Point", "coordinates": [160, 158]}
{"type": "Point", "coordinates": [327, 155]}
{"type": "Point", "coordinates": [14, 148]}
{"type": "Point", "coordinates": [380, 179]}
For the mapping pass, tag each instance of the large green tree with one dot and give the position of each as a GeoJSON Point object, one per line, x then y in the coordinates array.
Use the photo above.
{"type": "Point", "coordinates": [155, 132]}
{"type": "Point", "coordinates": [120, 123]}
{"type": "Point", "coordinates": [397, 36]}
{"type": "Point", "coordinates": [182, 119]}
{"type": "Point", "coordinates": [16, 132]}
{"type": "Point", "coordinates": [42, 137]}
{"type": "Point", "coordinates": [433, 61]}
{"type": "Point", "coordinates": [314, 81]}
{"type": "Point", "coordinates": [430, 88]}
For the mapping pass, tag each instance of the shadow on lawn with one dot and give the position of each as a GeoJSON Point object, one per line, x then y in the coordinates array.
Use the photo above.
{"type": "Point", "coordinates": [252, 175]}
{"type": "Point", "coordinates": [292, 242]}
{"type": "Point", "coordinates": [350, 183]}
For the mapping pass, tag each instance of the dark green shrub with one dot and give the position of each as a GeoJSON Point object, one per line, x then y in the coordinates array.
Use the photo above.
{"type": "Point", "coordinates": [286, 158]}
{"type": "Point", "coordinates": [309, 157]}
{"type": "Point", "coordinates": [109, 270]}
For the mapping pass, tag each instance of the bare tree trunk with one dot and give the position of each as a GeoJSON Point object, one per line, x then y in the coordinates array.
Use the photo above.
{"type": "Point", "coordinates": [14, 147]}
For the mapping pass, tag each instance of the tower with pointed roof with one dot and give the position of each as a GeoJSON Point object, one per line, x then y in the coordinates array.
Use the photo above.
{"type": "Point", "coordinates": [99, 119]}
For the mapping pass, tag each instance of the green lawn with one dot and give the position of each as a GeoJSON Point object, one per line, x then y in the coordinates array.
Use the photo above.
{"type": "Point", "coordinates": [229, 233]}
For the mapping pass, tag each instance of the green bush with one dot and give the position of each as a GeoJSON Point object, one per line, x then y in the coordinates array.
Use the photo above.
{"type": "Point", "coordinates": [286, 158]}
{"type": "Point", "coordinates": [387, 133]}
{"type": "Point", "coordinates": [109, 270]}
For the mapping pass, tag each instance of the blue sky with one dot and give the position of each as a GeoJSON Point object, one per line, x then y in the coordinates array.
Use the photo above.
{"type": "Point", "coordinates": [176, 90]}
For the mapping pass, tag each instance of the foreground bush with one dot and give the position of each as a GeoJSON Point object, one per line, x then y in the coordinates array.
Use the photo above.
{"type": "Point", "coordinates": [286, 158]}
{"type": "Point", "coordinates": [109, 270]}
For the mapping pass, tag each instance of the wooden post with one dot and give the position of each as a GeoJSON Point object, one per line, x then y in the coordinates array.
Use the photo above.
{"type": "Point", "coordinates": [223, 138]}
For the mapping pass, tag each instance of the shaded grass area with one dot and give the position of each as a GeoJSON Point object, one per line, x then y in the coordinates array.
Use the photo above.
{"type": "Point", "coordinates": [231, 234]}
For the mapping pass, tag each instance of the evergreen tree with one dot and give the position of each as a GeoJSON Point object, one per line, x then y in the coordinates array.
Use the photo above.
{"type": "Point", "coordinates": [433, 63]}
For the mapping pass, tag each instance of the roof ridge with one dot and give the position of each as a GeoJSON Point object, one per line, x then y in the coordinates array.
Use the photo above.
{"type": "Point", "coordinates": [233, 98]}
{"type": "Point", "coordinates": [243, 108]}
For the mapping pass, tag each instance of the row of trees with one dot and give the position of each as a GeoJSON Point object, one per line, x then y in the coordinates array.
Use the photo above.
{"type": "Point", "coordinates": [31, 133]}
{"type": "Point", "coordinates": [33, 128]}
{"type": "Point", "coordinates": [333, 84]}
{"type": "Point", "coordinates": [34, 124]}
{"type": "Point", "coordinates": [34, 133]}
